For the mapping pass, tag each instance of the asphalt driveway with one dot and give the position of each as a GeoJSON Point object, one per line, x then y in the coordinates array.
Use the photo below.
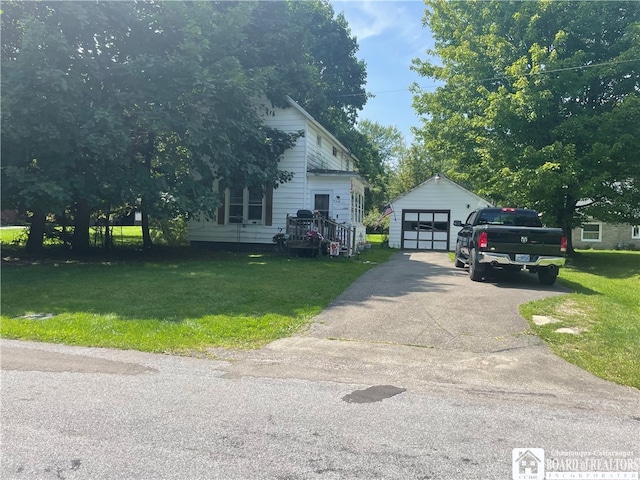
{"type": "Point", "coordinates": [415, 322]}
{"type": "Point", "coordinates": [414, 372]}
{"type": "Point", "coordinates": [418, 322]}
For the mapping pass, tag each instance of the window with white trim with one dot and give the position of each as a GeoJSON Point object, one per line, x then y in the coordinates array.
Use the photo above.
{"type": "Point", "coordinates": [357, 207]}
{"type": "Point", "coordinates": [246, 205]}
{"type": "Point", "coordinates": [591, 232]}
{"type": "Point", "coordinates": [635, 232]}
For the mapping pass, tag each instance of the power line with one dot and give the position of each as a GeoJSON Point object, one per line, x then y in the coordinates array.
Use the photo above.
{"type": "Point", "coordinates": [504, 77]}
{"type": "Point", "coordinates": [565, 69]}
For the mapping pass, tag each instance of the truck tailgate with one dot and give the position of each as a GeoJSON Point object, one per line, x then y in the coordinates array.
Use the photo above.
{"type": "Point", "coordinates": [524, 240]}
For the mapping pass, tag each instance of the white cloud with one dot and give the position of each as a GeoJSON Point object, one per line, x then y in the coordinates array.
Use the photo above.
{"type": "Point", "coordinates": [366, 18]}
{"type": "Point", "coordinates": [398, 21]}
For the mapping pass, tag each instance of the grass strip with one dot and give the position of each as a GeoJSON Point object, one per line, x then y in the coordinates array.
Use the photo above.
{"type": "Point", "coordinates": [603, 311]}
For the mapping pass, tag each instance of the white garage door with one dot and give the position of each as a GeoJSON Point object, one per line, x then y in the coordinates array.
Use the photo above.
{"type": "Point", "coordinates": [425, 229]}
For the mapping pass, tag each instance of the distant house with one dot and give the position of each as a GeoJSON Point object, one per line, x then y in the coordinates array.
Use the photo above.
{"type": "Point", "coordinates": [597, 235]}
{"type": "Point", "coordinates": [9, 217]}
{"type": "Point", "coordinates": [324, 180]}
{"type": "Point", "coordinates": [422, 219]}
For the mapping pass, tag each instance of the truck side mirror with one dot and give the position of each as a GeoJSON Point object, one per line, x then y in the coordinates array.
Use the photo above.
{"type": "Point", "coordinates": [457, 223]}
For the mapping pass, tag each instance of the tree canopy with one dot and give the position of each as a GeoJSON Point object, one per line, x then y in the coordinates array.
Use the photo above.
{"type": "Point", "coordinates": [122, 105]}
{"type": "Point", "coordinates": [541, 104]}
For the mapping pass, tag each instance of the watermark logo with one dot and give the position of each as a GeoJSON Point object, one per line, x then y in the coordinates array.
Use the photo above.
{"type": "Point", "coordinates": [528, 463]}
{"type": "Point", "coordinates": [531, 464]}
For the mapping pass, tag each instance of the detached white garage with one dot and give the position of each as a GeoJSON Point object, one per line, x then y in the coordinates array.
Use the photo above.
{"type": "Point", "coordinates": [422, 218]}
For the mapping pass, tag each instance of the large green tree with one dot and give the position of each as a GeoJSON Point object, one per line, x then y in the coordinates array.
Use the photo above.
{"type": "Point", "coordinates": [115, 104]}
{"type": "Point", "coordinates": [307, 52]}
{"type": "Point", "coordinates": [311, 56]}
{"type": "Point", "coordinates": [541, 103]}
{"type": "Point", "coordinates": [389, 148]}
{"type": "Point", "coordinates": [413, 169]}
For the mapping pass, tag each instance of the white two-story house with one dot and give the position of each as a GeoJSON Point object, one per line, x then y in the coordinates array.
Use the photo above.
{"type": "Point", "coordinates": [324, 180]}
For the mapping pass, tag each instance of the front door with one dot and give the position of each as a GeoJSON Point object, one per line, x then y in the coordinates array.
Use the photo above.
{"type": "Point", "coordinates": [321, 204]}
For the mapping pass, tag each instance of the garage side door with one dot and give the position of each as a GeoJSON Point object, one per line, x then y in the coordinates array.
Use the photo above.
{"type": "Point", "coordinates": [425, 229]}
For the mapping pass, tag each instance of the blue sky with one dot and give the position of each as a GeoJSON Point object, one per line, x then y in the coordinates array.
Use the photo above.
{"type": "Point", "coordinates": [390, 35]}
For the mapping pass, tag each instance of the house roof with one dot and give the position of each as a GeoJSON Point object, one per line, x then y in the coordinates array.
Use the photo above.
{"type": "Point", "coordinates": [323, 172]}
{"type": "Point", "coordinates": [319, 126]}
{"type": "Point", "coordinates": [439, 178]}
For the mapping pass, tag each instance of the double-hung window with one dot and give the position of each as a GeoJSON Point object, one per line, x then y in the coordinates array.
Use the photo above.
{"type": "Point", "coordinates": [255, 205]}
{"type": "Point", "coordinates": [591, 232]}
{"type": "Point", "coordinates": [246, 205]}
{"type": "Point", "coordinates": [236, 205]}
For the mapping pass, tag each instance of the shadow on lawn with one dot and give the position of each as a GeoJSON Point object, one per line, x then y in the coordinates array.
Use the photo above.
{"type": "Point", "coordinates": [608, 264]}
{"type": "Point", "coordinates": [178, 285]}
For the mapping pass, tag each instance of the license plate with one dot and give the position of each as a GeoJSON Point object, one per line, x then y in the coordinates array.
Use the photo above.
{"type": "Point", "coordinates": [521, 257]}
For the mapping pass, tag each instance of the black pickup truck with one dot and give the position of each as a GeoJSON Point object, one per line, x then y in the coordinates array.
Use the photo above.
{"type": "Point", "coordinates": [509, 238]}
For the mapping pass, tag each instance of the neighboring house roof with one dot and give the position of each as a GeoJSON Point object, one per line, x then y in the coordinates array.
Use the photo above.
{"type": "Point", "coordinates": [319, 126]}
{"type": "Point", "coordinates": [323, 172]}
{"type": "Point", "coordinates": [439, 178]}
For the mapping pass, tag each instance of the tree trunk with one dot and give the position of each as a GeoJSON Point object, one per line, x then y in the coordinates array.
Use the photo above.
{"type": "Point", "coordinates": [107, 234]}
{"type": "Point", "coordinates": [36, 232]}
{"type": "Point", "coordinates": [148, 152]}
{"type": "Point", "coordinates": [567, 228]}
{"type": "Point", "coordinates": [146, 234]}
{"type": "Point", "coordinates": [82, 220]}
{"type": "Point", "coordinates": [567, 223]}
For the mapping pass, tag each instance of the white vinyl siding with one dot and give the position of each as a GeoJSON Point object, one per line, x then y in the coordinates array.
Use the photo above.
{"type": "Point", "coordinates": [291, 196]}
{"type": "Point", "coordinates": [325, 153]}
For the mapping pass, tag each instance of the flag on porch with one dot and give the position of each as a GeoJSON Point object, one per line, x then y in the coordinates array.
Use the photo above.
{"type": "Point", "coordinates": [386, 211]}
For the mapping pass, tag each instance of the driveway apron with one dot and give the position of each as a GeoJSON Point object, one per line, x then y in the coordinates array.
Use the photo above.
{"type": "Point", "coordinates": [418, 322]}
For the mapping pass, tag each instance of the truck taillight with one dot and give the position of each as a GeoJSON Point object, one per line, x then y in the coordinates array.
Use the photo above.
{"type": "Point", "coordinates": [483, 240]}
{"type": "Point", "coordinates": [508, 209]}
{"type": "Point", "coordinates": [563, 244]}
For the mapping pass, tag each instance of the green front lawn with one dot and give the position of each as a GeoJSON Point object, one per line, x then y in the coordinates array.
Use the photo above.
{"type": "Point", "coordinates": [189, 301]}
{"type": "Point", "coordinates": [13, 235]}
{"type": "Point", "coordinates": [604, 309]}
{"type": "Point", "coordinates": [195, 301]}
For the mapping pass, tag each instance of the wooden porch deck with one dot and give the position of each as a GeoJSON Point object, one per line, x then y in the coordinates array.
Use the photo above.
{"type": "Point", "coordinates": [298, 229]}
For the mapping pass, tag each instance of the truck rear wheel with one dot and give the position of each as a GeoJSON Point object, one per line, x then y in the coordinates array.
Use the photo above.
{"type": "Point", "coordinates": [475, 272]}
{"type": "Point", "coordinates": [547, 275]}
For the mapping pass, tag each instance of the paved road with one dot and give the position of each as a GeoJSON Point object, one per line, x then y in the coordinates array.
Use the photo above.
{"type": "Point", "coordinates": [414, 372]}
